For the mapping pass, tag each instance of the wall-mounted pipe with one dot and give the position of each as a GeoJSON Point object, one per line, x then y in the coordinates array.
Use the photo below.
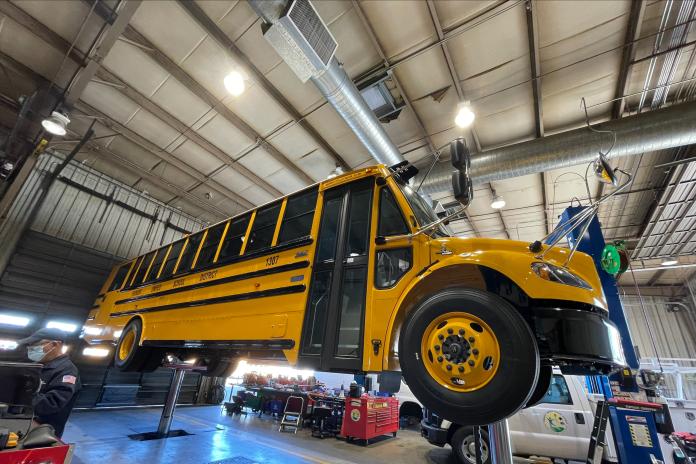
{"type": "Point", "coordinates": [661, 129]}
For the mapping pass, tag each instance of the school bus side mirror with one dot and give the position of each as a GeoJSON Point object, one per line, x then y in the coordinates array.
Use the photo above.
{"type": "Point", "coordinates": [461, 179]}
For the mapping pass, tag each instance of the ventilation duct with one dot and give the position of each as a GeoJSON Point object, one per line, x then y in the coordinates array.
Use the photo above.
{"type": "Point", "coordinates": [304, 42]}
{"type": "Point", "coordinates": [661, 129]}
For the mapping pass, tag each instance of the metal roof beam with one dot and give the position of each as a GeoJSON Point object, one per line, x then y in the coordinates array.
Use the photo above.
{"type": "Point", "coordinates": [635, 19]}
{"type": "Point", "coordinates": [53, 39]}
{"type": "Point", "coordinates": [419, 121]}
{"type": "Point", "coordinates": [126, 10]}
{"type": "Point", "coordinates": [137, 139]}
{"type": "Point", "coordinates": [458, 87]}
{"type": "Point", "coordinates": [230, 47]}
{"type": "Point", "coordinates": [535, 66]}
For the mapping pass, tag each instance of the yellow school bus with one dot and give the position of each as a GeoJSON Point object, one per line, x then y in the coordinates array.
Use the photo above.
{"type": "Point", "coordinates": [357, 274]}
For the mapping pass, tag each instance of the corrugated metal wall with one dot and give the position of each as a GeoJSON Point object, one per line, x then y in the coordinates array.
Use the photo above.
{"type": "Point", "coordinates": [674, 331]}
{"type": "Point", "coordinates": [658, 330]}
{"type": "Point", "coordinates": [54, 269]}
{"type": "Point", "coordinates": [86, 207]}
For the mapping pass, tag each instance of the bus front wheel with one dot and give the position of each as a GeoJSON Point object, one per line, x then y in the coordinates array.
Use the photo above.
{"type": "Point", "coordinates": [130, 356]}
{"type": "Point", "coordinates": [469, 356]}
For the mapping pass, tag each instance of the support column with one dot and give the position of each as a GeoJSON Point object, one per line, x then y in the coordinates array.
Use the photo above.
{"type": "Point", "coordinates": [499, 442]}
{"type": "Point", "coordinates": [169, 406]}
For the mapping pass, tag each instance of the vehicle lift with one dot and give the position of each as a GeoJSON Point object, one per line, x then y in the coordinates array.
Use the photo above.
{"type": "Point", "coordinates": [165, 423]}
{"type": "Point", "coordinates": [634, 424]}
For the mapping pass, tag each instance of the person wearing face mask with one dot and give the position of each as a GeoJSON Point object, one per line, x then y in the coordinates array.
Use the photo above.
{"type": "Point", "coordinates": [60, 380]}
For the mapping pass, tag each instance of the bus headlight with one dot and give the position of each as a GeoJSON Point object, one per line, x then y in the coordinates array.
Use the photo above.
{"type": "Point", "coordinates": [559, 275]}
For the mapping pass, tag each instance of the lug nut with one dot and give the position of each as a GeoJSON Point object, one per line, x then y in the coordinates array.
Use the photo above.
{"type": "Point", "coordinates": [461, 331]}
{"type": "Point", "coordinates": [437, 347]}
{"type": "Point", "coordinates": [471, 362]}
{"type": "Point", "coordinates": [441, 337]}
{"type": "Point", "coordinates": [461, 368]}
{"type": "Point", "coordinates": [476, 351]}
{"type": "Point", "coordinates": [450, 331]}
{"type": "Point", "coordinates": [472, 339]}
{"type": "Point", "coordinates": [439, 359]}
{"type": "Point", "coordinates": [449, 367]}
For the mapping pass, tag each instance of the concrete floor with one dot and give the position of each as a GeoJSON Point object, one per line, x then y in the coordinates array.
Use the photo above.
{"type": "Point", "coordinates": [102, 437]}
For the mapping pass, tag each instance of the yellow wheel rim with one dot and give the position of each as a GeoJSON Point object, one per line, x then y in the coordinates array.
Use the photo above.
{"type": "Point", "coordinates": [126, 345]}
{"type": "Point", "coordinates": [460, 351]}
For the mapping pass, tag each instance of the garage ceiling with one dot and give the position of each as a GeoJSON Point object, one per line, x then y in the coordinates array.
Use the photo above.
{"type": "Point", "coordinates": [166, 125]}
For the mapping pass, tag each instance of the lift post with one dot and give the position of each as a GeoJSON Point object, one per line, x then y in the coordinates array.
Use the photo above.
{"type": "Point", "coordinates": [165, 422]}
{"type": "Point", "coordinates": [499, 442]}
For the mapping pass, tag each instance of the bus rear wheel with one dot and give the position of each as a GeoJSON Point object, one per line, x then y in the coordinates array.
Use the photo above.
{"type": "Point", "coordinates": [469, 356]}
{"type": "Point", "coordinates": [130, 356]}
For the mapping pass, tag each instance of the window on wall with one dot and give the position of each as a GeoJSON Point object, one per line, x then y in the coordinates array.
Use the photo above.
{"type": "Point", "coordinates": [210, 246]}
{"type": "Point", "coordinates": [298, 216]}
{"type": "Point", "coordinates": [156, 264]}
{"type": "Point", "coordinates": [234, 239]}
{"type": "Point", "coordinates": [120, 276]}
{"type": "Point", "coordinates": [174, 252]}
{"type": "Point", "coordinates": [261, 235]}
{"type": "Point", "coordinates": [189, 254]}
{"type": "Point", "coordinates": [391, 221]}
{"type": "Point", "coordinates": [143, 269]}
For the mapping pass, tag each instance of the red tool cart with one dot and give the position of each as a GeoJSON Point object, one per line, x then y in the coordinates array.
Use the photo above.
{"type": "Point", "coordinates": [370, 416]}
{"type": "Point", "coordinates": [57, 454]}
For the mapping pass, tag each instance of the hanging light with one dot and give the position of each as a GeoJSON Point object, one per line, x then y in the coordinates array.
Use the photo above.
{"type": "Point", "coordinates": [465, 115]}
{"type": "Point", "coordinates": [234, 83]}
{"type": "Point", "coordinates": [498, 202]}
{"type": "Point", "coordinates": [56, 123]}
{"type": "Point", "coordinates": [669, 262]}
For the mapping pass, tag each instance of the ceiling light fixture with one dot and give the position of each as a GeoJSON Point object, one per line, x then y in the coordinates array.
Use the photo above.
{"type": "Point", "coordinates": [660, 268]}
{"type": "Point", "coordinates": [234, 83]}
{"type": "Point", "coordinates": [18, 321]}
{"type": "Point", "coordinates": [64, 326]}
{"type": "Point", "coordinates": [498, 202]}
{"type": "Point", "coordinates": [465, 115]}
{"type": "Point", "coordinates": [96, 352]}
{"type": "Point", "coordinates": [56, 123]}
{"type": "Point", "coordinates": [669, 262]}
{"type": "Point", "coordinates": [8, 345]}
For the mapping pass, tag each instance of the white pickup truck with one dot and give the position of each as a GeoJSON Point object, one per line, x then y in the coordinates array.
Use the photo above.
{"type": "Point", "coordinates": [558, 427]}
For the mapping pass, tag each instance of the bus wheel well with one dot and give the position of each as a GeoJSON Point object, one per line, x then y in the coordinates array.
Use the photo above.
{"type": "Point", "coordinates": [467, 275]}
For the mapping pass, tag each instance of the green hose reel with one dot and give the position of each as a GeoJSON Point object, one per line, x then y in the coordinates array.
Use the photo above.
{"type": "Point", "coordinates": [615, 258]}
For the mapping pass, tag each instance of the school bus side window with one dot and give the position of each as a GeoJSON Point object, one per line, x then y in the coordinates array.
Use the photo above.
{"type": "Point", "coordinates": [156, 265]}
{"type": "Point", "coordinates": [298, 216]}
{"type": "Point", "coordinates": [172, 258]}
{"type": "Point", "coordinates": [210, 246]}
{"type": "Point", "coordinates": [261, 235]}
{"type": "Point", "coordinates": [234, 238]}
{"type": "Point", "coordinates": [136, 269]}
{"type": "Point", "coordinates": [189, 253]}
{"type": "Point", "coordinates": [147, 261]}
{"type": "Point", "coordinates": [391, 221]}
{"type": "Point", "coordinates": [120, 276]}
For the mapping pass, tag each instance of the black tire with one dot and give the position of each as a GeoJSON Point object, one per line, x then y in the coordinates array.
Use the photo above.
{"type": "Point", "coordinates": [463, 446]}
{"type": "Point", "coordinates": [220, 366]}
{"type": "Point", "coordinates": [542, 386]}
{"type": "Point", "coordinates": [517, 371]}
{"type": "Point", "coordinates": [138, 356]}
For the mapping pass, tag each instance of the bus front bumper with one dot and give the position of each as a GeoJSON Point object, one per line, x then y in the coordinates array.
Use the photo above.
{"type": "Point", "coordinates": [581, 342]}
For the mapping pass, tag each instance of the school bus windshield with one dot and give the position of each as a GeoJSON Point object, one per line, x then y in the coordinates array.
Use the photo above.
{"type": "Point", "coordinates": [423, 212]}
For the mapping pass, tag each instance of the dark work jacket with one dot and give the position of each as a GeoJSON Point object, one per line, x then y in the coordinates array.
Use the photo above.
{"type": "Point", "coordinates": [60, 382]}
